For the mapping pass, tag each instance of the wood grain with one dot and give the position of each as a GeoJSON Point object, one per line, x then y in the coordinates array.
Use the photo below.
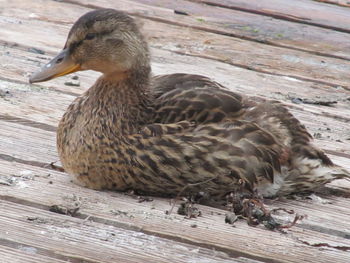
{"type": "Point", "coordinates": [124, 211]}
{"type": "Point", "coordinates": [301, 11]}
{"type": "Point", "coordinates": [262, 58]}
{"type": "Point", "coordinates": [253, 47]}
{"type": "Point", "coordinates": [257, 28]}
{"type": "Point", "coordinates": [86, 241]}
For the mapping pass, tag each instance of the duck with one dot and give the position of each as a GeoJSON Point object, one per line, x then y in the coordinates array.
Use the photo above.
{"type": "Point", "coordinates": [159, 135]}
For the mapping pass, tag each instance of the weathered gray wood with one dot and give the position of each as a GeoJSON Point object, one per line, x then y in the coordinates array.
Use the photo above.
{"type": "Point", "coordinates": [238, 79]}
{"type": "Point", "coordinates": [39, 142]}
{"type": "Point", "coordinates": [261, 58]}
{"type": "Point", "coordinates": [302, 11]}
{"type": "Point", "coordinates": [86, 241]}
{"type": "Point", "coordinates": [29, 114]}
{"type": "Point", "coordinates": [23, 253]}
{"type": "Point", "coordinates": [259, 28]}
{"type": "Point", "coordinates": [124, 211]}
{"type": "Point", "coordinates": [335, 2]}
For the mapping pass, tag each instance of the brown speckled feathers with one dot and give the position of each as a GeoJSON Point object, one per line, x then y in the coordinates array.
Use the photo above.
{"type": "Point", "coordinates": [157, 135]}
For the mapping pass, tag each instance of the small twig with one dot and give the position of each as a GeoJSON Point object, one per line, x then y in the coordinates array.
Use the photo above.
{"type": "Point", "coordinates": [178, 12]}
{"type": "Point", "coordinates": [296, 219]}
{"type": "Point", "coordinates": [282, 209]}
{"type": "Point", "coordinates": [55, 167]}
{"type": "Point", "coordinates": [184, 188]}
{"type": "Point", "coordinates": [343, 248]}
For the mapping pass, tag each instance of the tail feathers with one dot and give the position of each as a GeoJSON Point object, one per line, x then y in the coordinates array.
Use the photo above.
{"type": "Point", "coordinates": [339, 172]}
{"type": "Point", "coordinates": [308, 175]}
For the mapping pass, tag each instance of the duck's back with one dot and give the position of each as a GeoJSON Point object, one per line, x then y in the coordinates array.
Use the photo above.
{"type": "Point", "coordinates": [198, 99]}
{"type": "Point", "coordinates": [194, 98]}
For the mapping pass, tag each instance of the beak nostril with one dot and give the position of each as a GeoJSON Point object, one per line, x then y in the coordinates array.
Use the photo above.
{"type": "Point", "coordinates": [61, 65]}
{"type": "Point", "coordinates": [59, 60]}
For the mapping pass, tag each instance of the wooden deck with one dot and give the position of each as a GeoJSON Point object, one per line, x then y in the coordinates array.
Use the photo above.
{"type": "Point", "coordinates": [294, 51]}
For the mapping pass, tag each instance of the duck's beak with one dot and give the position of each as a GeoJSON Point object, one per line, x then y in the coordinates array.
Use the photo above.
{"type": "Point", "coordinates": [61, 65]}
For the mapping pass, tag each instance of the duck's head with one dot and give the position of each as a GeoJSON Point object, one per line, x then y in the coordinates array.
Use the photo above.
{"type": "Point", "coordinates": [103, 40]}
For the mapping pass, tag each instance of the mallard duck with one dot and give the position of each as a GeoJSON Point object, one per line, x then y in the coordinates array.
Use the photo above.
{"type": "Point", "coordinates": [157, 135]}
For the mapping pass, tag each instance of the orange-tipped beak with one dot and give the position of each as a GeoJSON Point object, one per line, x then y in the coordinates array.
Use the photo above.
{"type": "Point", "coordinates": [61, 65]}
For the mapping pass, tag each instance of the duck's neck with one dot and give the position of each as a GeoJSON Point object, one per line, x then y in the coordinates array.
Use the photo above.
{"type": "Point", "coordinates": [124, 100]}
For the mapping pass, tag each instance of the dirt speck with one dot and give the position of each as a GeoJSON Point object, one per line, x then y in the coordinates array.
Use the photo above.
{"type": "Point", "coordinates": [63, 210]}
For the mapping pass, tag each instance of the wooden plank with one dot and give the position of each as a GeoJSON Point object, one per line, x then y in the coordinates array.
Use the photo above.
{"type": "Point", "coordinates": [223, 21]}
{"type": "Point", "coordinates": [259, 28]}
{"type": "Point", "coordinates": [86, 241]}
{"type": "Point", "coordinates": [44, 141]}
{"type": "Point", "coordinates": [20, 109]}
{"type": "Point", "coordinates": [24, 253]}
{"type": "Point", "coordinates": [22, 100]}
{"type": "Point", "coordinates": [27, 144]}
{"type": "Point", "coordinates": [41, 146]}
{"type": "Point", "coordinates": [243, 89]}
{"type": "Point", "coordinates": [37, 188]}
{"type": "Point", "coordinates": [302, 11]}
{"type": "Point", "coordinates": [118, 210]}
{"type": "Point", "coordinates": [345, 3]}
{"type": "Point", "coordinates": [253, 56]}
{"type": "Point", "coordinates": [167, 62]}
{"type": "Point", "coordinates": [247, 82]}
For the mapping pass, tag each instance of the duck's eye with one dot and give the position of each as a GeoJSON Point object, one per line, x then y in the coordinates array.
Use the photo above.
{"type": "Point", "coordinates": [90, 36]}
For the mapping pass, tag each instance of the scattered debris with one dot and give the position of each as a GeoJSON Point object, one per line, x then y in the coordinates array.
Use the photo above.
{"type": "Point", "coordinates": [142, 199]}
{"type": "Point", "coordinates": [71, 206]}
{"type": "Point", "coordinates": [178, 12]}
{"type": "Point", "coordinates": [74, 83]}
{"type": "Point", "coordinates": [317, 135]}
{"type": "Point", "coordinates": [6, 180]}
{"type": "Point", "coordinates": [282, 209]}
{"type": "Point", "coordinates": [188, 209]}
{"type": "Point", "coordinates": [293, 223]}
{"type": "Point", "coordinates": [21, 184]}
{"type": "Point", "coordinates": [29, 218]}
{"type": "Point", "coordinates": [130, 193]}
{"type": "Point", "coordinates": [18, 180]}
{"type": "Point", "coordinates": [36, 51]}
{"type": "Point", "coordinates": [4, 93]}
{"type": "Point", "coordinates": [317, 101]}
{"type": "Point", "coordinates": [55, 167]}
{"type": "Point", "coordinates": [231, 218]}
{"type": "Point", "coordinates": [28, 250]}
{"type": "Point", "coordinates": [121, 213]}
{"type": "Point", "coordinates": [252, 209]}
{"type": "Point", "coordinates": [184, 189]}
{"type": "Point", "coordinates": [343, 248]}
{"type": "Point", "coordinates": [36, 219]}
{"type": "Point", "coordinates": [63, 210]}
{"type": "Point", "coordinates": [318, 199]}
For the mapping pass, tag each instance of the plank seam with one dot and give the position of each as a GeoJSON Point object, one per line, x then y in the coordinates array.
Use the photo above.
{"type": "Point", "coordinates": [45, 252]}
{"type": "Point", "coordinates": [10, 158]}
{"type": "Point", "coordinates": [279, 16]}
{"type": "Point", "coordinates": [24, 48]}
{"type": "Point", "coordinates": [230, 252]}
{"type": "Point", "coordinates": [333, 3]}
{"type": "Point", "coordinates": [27, 83]}
{"type": "Point", "coordinates": [30, 123]}
{"type": "Point", "coordinates": [335, 85]}
{"type": "Point", "coordinates": [218, 32]}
